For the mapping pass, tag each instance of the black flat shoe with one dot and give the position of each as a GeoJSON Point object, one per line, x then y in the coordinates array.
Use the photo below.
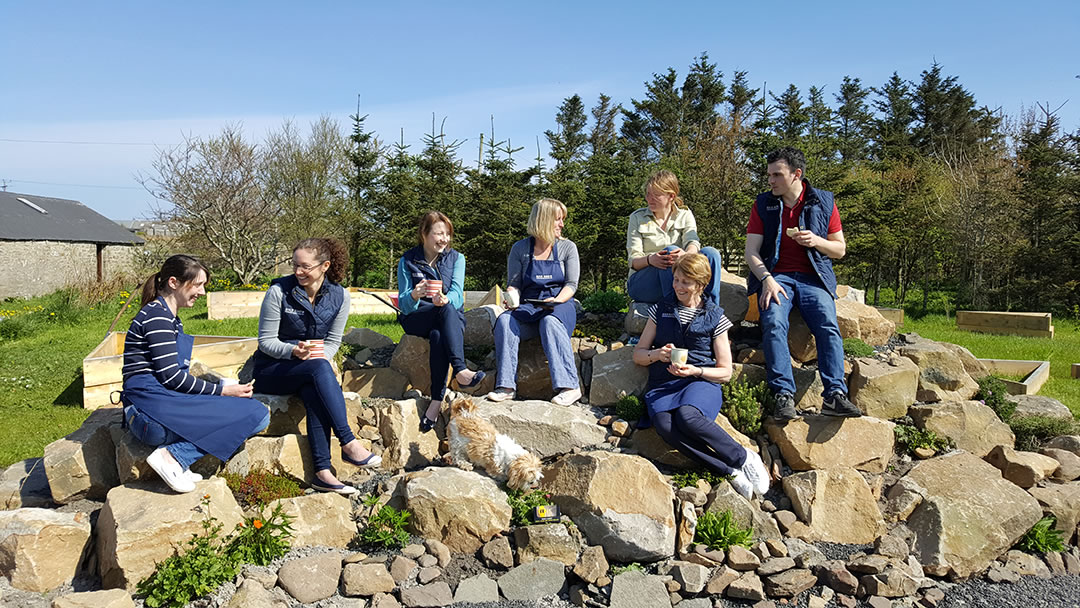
{"type": "Point", "coordinates": [477, 378]}
{"type": "Point", "coordinates": [426, 424]}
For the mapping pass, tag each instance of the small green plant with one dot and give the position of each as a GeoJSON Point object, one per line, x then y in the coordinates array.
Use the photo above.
{"type": "Point", "coordinates": [911, 438]}
{"type": "Point", "coordinates": [1043, 537]}
{"type": "Point", "coordinates": [1032, 431]}
{"type": "Point", "coordinates": [630, 408]}
{"type": "Point", "coordinates": [720, 531]}
{"type": "Point", "coordinates": [631, 567]}
{"type": "Point", "coordinates": [260, 540]}
{"type": "Point", "coordinates": [993, 393]}
{"type": "Point", "coordinates": [260, 487]}
{"type": "Point", "coordinates": [598, 331]}
{"type": "Point", "coordinates": [684, 479]}
{"type": "Point", "coordinates": [522, 503]}
{"type": "Point", "coordinates": [385, 527]}
{"type": "Point", "coordinates": [602, 302]}
{"type": "Point", "coordinates": [854, 347]}
{"type": "Point", "coordinates": [744, 405]}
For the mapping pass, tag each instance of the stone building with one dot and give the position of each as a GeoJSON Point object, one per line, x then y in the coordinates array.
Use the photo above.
{"type": "Point", "coordinates": [49, 243]}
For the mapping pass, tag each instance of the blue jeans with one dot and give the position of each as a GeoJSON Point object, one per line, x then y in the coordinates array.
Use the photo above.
{"type": "Point", "coordinates": [314, 381]}
{"type": "Point", "coordinates": [686, 429]}
{"type": "Point", "coordinates": [444, 328]}
{"type": "Point", "coordinates": [818, 309]}
{"type": "Point", "coordinates": [152, 433]}
{"type": "Point", "coordinates": [651, 284]}
{"type": "Point", "coordinates": [509, 333]}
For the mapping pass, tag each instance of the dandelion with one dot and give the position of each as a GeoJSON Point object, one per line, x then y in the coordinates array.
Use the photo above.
{"type": "Point", "coordinates": [257, 524]}
{"type": "Point", "coordinates": [52, 314]}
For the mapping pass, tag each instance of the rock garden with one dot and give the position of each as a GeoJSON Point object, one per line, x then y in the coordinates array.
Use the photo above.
{"type": "Point", "coordinates": [945, 482]}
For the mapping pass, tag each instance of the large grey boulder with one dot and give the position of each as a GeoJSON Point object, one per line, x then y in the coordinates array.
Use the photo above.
{"type": "Point", "coordinates": [1063, 502]}
{"type": "Point", "coordinates": [319, 520]}
{"type": "Point", "coordinates": [543, 427]}
{"type": "Point", "coordinates": [480, 323]}
{"type": "Point", "coordinates": [363, 337]}
{"type": "Point", "coordinates": [40, 549]}
{"type": "Point", "coordinates": [972, 426]}
{"type": "Point", "coordinates": [410, 359]}
{"type": "Point", "coordinates": [747, 513]}
{"type": "Point", "coordinates": [634, 589]}
{"type": "Point", "coordinates": [375, 382]}
{"type": "Point", "coordinates": [404, 446]}
{"type": "Point", "coordinates": [883, 389]}
{"type": "Point", "coordinates": [820, 442]}
{"type": "Point", "coordinates": [836, 505]}
{"type": "Point", "coordinates": [24, 484]}
{"type": "Point", "coordinates": [619, 501]}
{"type": "Point", "coordinates": [1025, 469]}
{"type": "Point", "coordinates": [969, 515]}
{"type": "Point", "coordinates": [83, 464]}
{"type": "Point", "coordinates": [942, 375]}
{"type": "Point", "coordinates": [141, 525]}
{"type": "Point", "coordinates": [461, 509]}
{"type": "Point", "coordinates": [534, 580]}
{"type": "Point", "coordinates": [1039, 405]}
{"type": "Point", "coordinates": [615, 375]}
{"type": "Point", "coordinates": [857, 320]}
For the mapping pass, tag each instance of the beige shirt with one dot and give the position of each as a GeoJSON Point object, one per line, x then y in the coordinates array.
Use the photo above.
{"type": "Point", "coordinates": [644, 235]}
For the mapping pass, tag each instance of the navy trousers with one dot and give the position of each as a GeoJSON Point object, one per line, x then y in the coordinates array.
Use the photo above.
{"type": "Point", "coordinates": [444, 327]}
{"type": "Point", "coordinates": [702, 440]}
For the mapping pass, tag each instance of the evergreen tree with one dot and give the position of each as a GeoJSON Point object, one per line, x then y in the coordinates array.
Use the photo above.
{"type": "Point", "coordinates": [852, 121]}
{"type": "Point", "coordinates": [359, 215]}
{"type": "Point", "coordinates": [792, 117]}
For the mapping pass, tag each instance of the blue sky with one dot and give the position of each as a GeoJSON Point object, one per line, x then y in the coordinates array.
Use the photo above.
{"type": "Point", "coordinates": [151, 73]}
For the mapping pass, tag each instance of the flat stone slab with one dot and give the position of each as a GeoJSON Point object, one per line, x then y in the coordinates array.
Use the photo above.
{"type": "Point", "coordinates": [544, 428]}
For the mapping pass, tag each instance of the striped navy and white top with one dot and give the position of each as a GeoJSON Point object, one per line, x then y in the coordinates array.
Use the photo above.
{"type": "Point", "coordinates": [687, 314]}
{"type": "Point", "coordinates": [150, 348]}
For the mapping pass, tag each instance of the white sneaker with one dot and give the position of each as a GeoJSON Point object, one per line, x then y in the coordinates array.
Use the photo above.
{"type": "Point", "coordinates": [741, 484]}
{"type": "Point", "coordinates": [501, 394]}
{"type": "Point", "coordinates": [755, 471]}
{"type": "Point", "coordinates": [567, 397]}
{"type": "Point", "coordinates": [192, 475]}
{"type": "Point", "coordinates": [169, 470]}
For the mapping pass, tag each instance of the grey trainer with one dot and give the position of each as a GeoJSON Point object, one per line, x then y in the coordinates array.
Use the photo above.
{"type": "Point", "coordinates": [785, 407]}
{"type": "Point", "coordinates": [837, 404]}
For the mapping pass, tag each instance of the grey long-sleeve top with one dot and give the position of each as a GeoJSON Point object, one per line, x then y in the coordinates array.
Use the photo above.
{"type": "Point", "coordinates": [518, 261]}
{"type": "Point", "coordinates": [270, 319]}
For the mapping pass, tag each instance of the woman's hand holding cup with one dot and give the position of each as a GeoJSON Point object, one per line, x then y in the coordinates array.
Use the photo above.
{"type": "Point", "coordinates": [664, 352]}
{"type": "Point", "coordinates": [419, 290]}
{"type": "Point", "coordinates": [238, 390]}
{"type": "Point", "coordinates": [301, 351]}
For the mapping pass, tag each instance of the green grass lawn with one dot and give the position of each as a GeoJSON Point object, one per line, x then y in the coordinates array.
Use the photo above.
{"type": "Point", "coordinates": [1061, 351]}
{"type": "Point", "coordinates": [42, 347]}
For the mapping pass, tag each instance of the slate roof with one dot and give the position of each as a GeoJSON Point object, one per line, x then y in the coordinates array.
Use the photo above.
{"type": "Point", "coordinates": [65, 220]}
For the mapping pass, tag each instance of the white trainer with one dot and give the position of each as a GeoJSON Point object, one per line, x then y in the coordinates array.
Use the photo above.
{"type": "Point", "coordinates": [756, 473]}
{"type": "Point", "coordinates": [567, 397]}
{"type": "Point", "coordinates": [169, 470]}
{"type": "Point", "coordinates": [501, 394]}
{"type": "Point", "coordinates": [192, 475]}
{"type": "Point", "coordinates": [741, 484]}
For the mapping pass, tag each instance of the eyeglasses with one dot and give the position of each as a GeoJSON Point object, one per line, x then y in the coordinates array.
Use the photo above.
{"type": "Point", "coordinates": [305, 267]}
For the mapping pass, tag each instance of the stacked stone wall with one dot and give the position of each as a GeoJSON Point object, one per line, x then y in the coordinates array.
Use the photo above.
{"type": "Point", "coordinates": [34, 268]}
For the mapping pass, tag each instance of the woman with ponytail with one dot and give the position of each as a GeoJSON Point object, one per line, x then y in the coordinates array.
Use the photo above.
{"type": "Point", "coordinates": [166, 406]}
{"type": "Point", "coordinates": [301, 323]}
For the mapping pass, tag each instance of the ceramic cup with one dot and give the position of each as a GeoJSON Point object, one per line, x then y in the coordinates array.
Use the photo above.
{"type": "Point", "coordinates": [433, 287]}
{"type": "Point", "coordinates": [678, 356]}
{"type": "Point", "coordinates": [316, 348]}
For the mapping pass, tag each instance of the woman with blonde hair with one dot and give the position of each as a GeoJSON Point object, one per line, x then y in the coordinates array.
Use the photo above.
{"type": "Point", "coordinates": [657, 235]}
{"type": "Point", "coordinates": [301, 323]}
{"type": "Point", "coordinates": [685, 347]}
{"type": "Point", "coordinates": [542, 276]}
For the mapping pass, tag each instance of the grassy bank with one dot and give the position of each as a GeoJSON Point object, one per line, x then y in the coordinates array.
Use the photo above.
{"type": "Point", "coordinates": [42, 345]}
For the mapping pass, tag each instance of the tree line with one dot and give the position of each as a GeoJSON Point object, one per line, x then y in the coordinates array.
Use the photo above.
{"type": "Point", "coordinates": [937, 192]}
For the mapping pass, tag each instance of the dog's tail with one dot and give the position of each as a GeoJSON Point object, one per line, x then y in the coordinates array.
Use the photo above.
{"type": "Point", "coordinates": [462, 405]}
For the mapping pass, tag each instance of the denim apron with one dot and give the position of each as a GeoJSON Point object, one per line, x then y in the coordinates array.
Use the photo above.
{"type": "Point", "coordinates": [216, 424]}
{"type": "Point", "coordinates": [544, 279]}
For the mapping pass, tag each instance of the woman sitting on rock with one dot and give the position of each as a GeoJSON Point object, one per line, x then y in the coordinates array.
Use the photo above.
{"type": "Point", "coordinates": [542, 276]}
{"type": "Point", "coordinates": [166, 406]}
{"type": "Point", "coordinates": [431, 294]}
{"type": "Point", "coordinates": [657, 236]}
{"type": "Point", "coordinates": [683, 396]}
{"type": "Point", "coordinates": [301, 323]}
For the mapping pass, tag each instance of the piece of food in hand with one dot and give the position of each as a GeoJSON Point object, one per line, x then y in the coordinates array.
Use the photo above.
{"type": "Point", "coordinates": [791, 232]}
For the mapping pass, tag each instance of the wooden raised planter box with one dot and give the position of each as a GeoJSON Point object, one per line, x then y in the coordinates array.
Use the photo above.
{"type": "Point", "coordinates": [102, 367]}
{"type": "Point", "coordinates": [896, 315]}
{"type": "Point", "coordinates": [1035, 374]}
{"type": "Point", "coordinates": [1031, 324]}
{"type": "Point", "coordinates": [246, 304]}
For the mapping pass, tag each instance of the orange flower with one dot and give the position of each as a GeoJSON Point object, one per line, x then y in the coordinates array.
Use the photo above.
{"type": "Point", "coordinates": [206, 497]}
{"type": "Point", "coordinates": [257, 523]}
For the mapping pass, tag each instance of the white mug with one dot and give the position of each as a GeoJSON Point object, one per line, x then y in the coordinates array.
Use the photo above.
{"type": "Point", "coordinates": [228, 382]}
{"type": "Point", "coordinates": [679, 355]}
{"type": "Point", "coordinates": [510, 297]}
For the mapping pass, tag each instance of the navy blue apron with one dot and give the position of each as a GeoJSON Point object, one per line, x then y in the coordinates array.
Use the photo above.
{"type": "Point", "coordinates": [544, 279]}
{"type": "Point", "coordinates": [216, 424]}
{"type": "Point", "coordinates": [666, 392]}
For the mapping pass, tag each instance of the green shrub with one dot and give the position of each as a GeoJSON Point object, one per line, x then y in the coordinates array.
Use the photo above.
{"type": "Point", "coordinates": [260, 540]}
{"type": "Point", "coordinates": [911, 438]}
{"type": "Point", "coordinates": [602, 302]}
{"type": "Point", "coordinates": [629, 408]}
{"type": "Point", "coordinates": [854, 347]}
{"type": "Point", "coordinates": [685, 479]}
{"type": "Point", "coordinates": [1032, 431]}
{"type": "Point", "coordinates": [745, 404]}
{"type": "Point", "coordinates": [522, 503]}
{"type": "Point", "coordinates": [721, 531]}
{"type": "Point", "coordinates": [631, 567]}
{"type": "Point", "coordinates": [598, 331]}
{"type": "Point", "coordinates": [260, 487]}
{"type": "Point", "coordinates": [386, 527]}
{"type": "Point", "coordinates": [1042, 537]}
{"type": "Point", "coordinates": [993, 393]}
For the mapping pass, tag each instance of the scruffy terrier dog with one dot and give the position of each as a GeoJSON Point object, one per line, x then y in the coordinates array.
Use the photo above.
{"type": "Point", "coordinates": [475, 440]}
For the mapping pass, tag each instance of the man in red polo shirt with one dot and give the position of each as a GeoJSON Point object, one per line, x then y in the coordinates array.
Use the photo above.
{"type": "Point", "coordinates": [793, 235]}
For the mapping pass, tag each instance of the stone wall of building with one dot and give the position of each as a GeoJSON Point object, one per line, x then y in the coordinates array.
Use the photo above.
{"type": "Point", "coordinates": [34, 268]}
